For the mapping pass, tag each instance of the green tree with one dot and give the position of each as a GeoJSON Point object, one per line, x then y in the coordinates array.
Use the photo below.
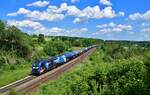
{"type": "Point", "coordinates": [2, 26]}
{"type": "Point", "coordinates": [55, 47]}
{"type": "Point", "coordinates": [12, 39]}
{"type": "Point", "coordinates": [41, 38]}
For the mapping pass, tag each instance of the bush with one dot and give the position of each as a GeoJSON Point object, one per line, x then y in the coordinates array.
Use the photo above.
{"type": "Point", "coordinates": [41, 38]}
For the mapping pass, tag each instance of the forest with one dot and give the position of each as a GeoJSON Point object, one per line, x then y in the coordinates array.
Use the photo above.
{"type": "Point", "coordinates": [114, 68]}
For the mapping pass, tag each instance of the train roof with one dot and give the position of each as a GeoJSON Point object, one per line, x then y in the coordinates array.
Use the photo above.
{"type": "Point", "coordinates": [39, 62]}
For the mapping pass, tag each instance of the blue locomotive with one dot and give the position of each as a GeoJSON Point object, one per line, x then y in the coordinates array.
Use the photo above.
{"type": "Point", "coordinates": [42, 66]}
{"type": "Point", "coordinates": [59, 59]}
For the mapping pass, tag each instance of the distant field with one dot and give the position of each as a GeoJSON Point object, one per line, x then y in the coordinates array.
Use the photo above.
{"type": "Point", "coordinates": [77, 48]}
{"type": "Point", "coordinates": [48, 38]}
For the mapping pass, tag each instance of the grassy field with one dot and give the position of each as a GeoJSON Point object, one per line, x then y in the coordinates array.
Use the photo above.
{"type": "Point", "coordinates": [13, 73]}
{"type": "Point", "coordinates": [77, 48]}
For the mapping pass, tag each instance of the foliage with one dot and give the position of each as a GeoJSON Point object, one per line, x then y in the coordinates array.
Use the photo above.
{"type": "Point", "coordinates": [41, 38]}
{"type": "Point", "coordinates": [11, 38]}
{"type": "Point", "coordinates": [55, 47]}
{"type": "Point", "coordinates": [126, 74]}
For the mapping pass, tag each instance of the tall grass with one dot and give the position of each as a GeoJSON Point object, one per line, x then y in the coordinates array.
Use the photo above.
{"type": "Point", "coordinates": [12, 72]}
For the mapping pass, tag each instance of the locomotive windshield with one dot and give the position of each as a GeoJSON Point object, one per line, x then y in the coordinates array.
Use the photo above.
{"type": "Point", "coordinates": [36, 64]}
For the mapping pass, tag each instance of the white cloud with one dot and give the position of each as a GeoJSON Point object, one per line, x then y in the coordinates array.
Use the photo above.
{"type": "Point", "coordinates": [36, 27]}
{"type": "Point", "coordinates": [140, 16]}
{"type": "Point", "coordinates": [74, 1]}
{"type": "Point", "coordinates": [106, 2]}
{"type": "Point", "coordinates": [89, 12]}
{"type": "Point", "coordinates": [27, 24]}
{"type": "Point", "coordinates": [146, 30]}
{"type": "Point", "coordinates": [145, 24]}
{"type": "Point", "coordinates": [56, 31]}
{"type": "Point", "coordinates": [92, 12]}
{"type": "Point", "coordinates": [37, 15]}
{"type": "Point", "coordinates": [121, 14]}
{"type": "Point", "coordinates": [54, 9]}
{"type": "Point", "coordinates": [79, 20]}
{"type": "Point", "coordinates": [54, 13]}
{"type": "Point", "coordinates": [112, 27]}
{"type": "Point", "coordinates": [108, 12]}
{"type": "Point", "coordinates": [20, 11]}
{"type": "Point", "coordinates": [84, 30]}
{"type": "Point", "coordinates": [33, 27]}
{"type": "Point", "coordinates": [39, 4]}
{"type": "Point", "coordinates": [73, 11]}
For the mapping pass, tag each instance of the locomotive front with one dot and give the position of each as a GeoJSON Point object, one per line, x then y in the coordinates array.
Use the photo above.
{"type": "Point", "coordinates": [37, 67]}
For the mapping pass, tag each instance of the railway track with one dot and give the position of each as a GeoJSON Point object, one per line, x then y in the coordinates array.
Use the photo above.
{"type": "Point", "coordinates": [16, 83]}
{"type": "Point", "coordinates": [31, 83]}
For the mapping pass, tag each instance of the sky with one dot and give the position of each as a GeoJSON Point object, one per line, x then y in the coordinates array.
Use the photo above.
{"type": "Point", "coordinates": [103, 19]}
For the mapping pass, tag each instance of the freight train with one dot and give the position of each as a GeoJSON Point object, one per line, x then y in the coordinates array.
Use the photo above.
{"type": "Point", "coordinates": [45, 65]}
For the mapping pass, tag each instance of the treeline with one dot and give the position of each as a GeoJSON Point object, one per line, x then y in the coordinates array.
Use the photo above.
{"type": "Point", "coordinates": [141, 43]}
{"type": "Point", "coordinates": [60, 44]}
{"type": "Point", "coordinates": [123, 50]}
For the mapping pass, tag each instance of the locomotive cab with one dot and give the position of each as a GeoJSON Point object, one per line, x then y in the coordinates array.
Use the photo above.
{"type": "Point", "coordinates": [40, 67]}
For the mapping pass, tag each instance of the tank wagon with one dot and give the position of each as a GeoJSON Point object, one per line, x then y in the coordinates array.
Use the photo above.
{"type": "Point", "coordinates": [45, 65]}
{"type": "Point", "coordinates": [69, 55]}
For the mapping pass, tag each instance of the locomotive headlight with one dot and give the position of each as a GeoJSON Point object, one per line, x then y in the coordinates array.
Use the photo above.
{"type": "Point", "coordinates": [35, 67]}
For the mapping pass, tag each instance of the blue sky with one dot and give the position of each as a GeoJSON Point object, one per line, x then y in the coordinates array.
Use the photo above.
{"type": "Point", "coordinates": [104, 19]}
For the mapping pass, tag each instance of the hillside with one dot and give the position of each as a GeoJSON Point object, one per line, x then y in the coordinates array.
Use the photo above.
{"type": "Point", "coordinates": [115, 68]}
